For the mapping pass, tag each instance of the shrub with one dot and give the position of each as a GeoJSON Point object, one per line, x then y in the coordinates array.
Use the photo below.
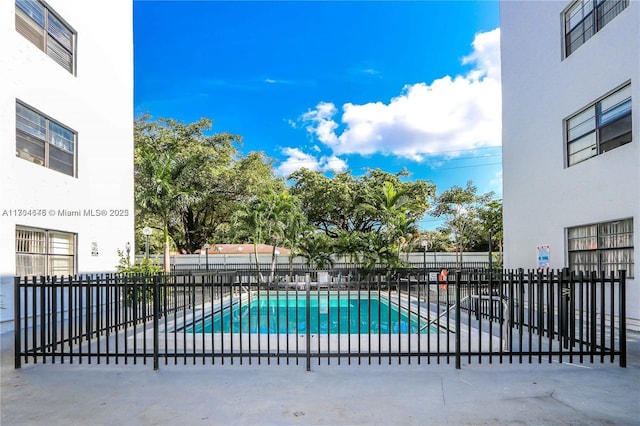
{"type": "Point", "coordinates": [146, 269]}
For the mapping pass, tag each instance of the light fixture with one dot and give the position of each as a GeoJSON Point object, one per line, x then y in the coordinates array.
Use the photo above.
{"type": "Point", "coordinates": [147, 232]}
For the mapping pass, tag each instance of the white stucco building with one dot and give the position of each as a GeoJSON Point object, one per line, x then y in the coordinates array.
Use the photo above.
{"type": "Point", "coordinates": [66, 157]}
{"type": "Point", "coordinates": [571, 130]}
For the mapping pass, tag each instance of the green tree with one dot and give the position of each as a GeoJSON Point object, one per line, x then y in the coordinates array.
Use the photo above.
{"type": "Point", "coordinates": [350, 245]}
{"type": "Point", "coordinates": [491, 218]}
{"type": "Point", "coordinates": [285, 223]}
{"type": "Point", "coordinates": [249, 224]}
{"type": "Point", "coordinates": [460, 207]}
{"type": "Point", "coordinates": [271, 218]}
{"type": "Point", "coordinates": [189, 181]}
{"type": "Point", "coordinates": [436, 241]}
{"type": "Point", "coordinates": [295, 227]}
{"type": "Point", "coordinates": [348, 209]}
{"type": "Point", "coordinates": [316, 247]}
{"type": "Point", "coordinates": [396, 226]}
{"type": "Point", "coordinates": [343, 202]}
{"type": "Point", "coordinates": [159, 194]}
{"type": "Point", "coordinates": [328, 203]}
{"type": "Point", "coordinates": [146, 268]}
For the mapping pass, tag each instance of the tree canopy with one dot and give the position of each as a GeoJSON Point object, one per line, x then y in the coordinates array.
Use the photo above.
{"type": "Point", "coordinates": [196, 187]}
{"type": "Point", "coordinates": [461, 208]}
{"type": "Point", "coordinates": [348, 203]}
{"type": "Point", "coordinates": [188, 181]}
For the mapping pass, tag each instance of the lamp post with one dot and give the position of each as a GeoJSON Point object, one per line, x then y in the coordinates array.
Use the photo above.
{"type": "Point", "coordinates": [206, 253]}
{"type": "Point", "coordinates": [147, 232]}
{"type": "Point", "coordinates": [128, 249]}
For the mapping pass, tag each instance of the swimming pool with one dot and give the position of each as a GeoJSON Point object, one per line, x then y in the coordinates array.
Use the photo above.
{"type": "Point", "coordinates": [329, 313]}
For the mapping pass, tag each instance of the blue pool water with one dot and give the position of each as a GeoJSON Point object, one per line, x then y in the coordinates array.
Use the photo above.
{"type": "Point", "coordinates": [287, 314]}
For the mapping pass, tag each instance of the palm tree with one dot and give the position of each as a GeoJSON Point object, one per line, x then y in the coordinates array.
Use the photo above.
{"type": "Point", "coordinates": [396, 224]}
{"type": "Point", "coordinates": [316, 248]}
{"type": "Point", "coordinates": [283, 219]}
{"type": "Point", "coordinates": [350, 244]}
{"type": "Point", "coordinates": [271, 218]}
{"type": "Point", "coordinates": [296, 226]}
{"type": "Point", "coordinates": [159, 193]}
{"type": "Point", "coordinates": [249, 224]}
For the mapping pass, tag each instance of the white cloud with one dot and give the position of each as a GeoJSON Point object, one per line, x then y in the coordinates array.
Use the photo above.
{"type": "Point", "coordinates": [450, 114]}
{"type": "Point", "coordinates": [371, 71]}
{"type": "Point", "coordinates": [274, 81]}
{"type": "Point", "coordinates": [497, 180]}
{"type": "Point", "coordinates": [334, 164]}
{"type": "Point", "coordinates": [321, 122]}
{"type": "Point", "coordinates": [486, 54]}
{"type": "Point", "coordinates": [291, 123]}
{"type": "Point", "coordinates": [297, 159]}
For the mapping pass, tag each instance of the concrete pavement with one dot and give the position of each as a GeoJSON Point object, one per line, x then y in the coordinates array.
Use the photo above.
{"type": "Point", "coordinates": [527, 394]}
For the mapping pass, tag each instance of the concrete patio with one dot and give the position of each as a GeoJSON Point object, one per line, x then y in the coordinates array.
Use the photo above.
{"type": "Point", "coordinates": [588, 394]}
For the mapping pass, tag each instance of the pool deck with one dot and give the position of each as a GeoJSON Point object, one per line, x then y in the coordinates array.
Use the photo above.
{"type": "Point", "coordinates": [528, 394]}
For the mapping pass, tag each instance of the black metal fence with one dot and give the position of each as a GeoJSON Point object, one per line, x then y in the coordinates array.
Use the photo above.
{"type": "Point", "coordinates": [238, 317]}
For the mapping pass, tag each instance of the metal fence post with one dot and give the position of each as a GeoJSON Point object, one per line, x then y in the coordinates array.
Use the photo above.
{"type": "Point", "coordinates": [565, 293]}
{"type": "Point", "coordinates": [458, 275]}
{"type": "Point", "coordinates": [156, 314]}
{"type": "Point", "coordinates": [308, 320]}
{"type": "Point", "coordinates": [622, 321]}
{"type": "Point", "coordinates": [17, 345]}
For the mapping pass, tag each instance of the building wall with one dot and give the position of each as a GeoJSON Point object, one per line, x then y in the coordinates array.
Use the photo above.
{"type": "Point", "coordinates": [543, 197]}
{"type": "Point", "coordinates": [97, 103]}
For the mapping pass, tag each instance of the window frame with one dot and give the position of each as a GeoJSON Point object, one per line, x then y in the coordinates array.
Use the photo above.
{"type": "Point", "coordinates": [598, 242]}
{"type": "Point", "coordinates": [595, 20]}
{"type": "Point", "coordinates": [23, 136]}
{"type": "Point", "coordinates": [594, 135]}
{"type": "Point", "coordinates": [40, 255]}
{"type": "Point", "coordinates": [42, 34]}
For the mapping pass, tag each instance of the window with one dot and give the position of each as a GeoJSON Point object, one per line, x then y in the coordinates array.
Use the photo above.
{"type": "Point", "coordinates": [38, 24]}
{"type": "Point", "coordinates": [606, 246]}
{"type": "Point", "coordinates": [600, 127]}
{"type": "Point", "coordinates": [41, 252]}
{"type": "Point", "coordinates": [584, 18]}
{"type": "Point", "coordinates": [44, 141]}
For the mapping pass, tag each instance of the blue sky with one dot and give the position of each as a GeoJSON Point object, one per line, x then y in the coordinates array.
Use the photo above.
{"type": "Point", "coordinates": [334, 85]}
